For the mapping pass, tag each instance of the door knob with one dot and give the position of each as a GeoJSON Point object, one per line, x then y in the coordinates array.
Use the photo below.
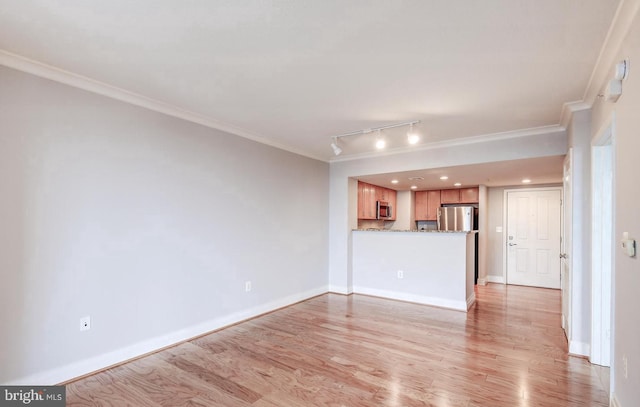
{"type": "Point", "coordinates": [563, 255]}
{"type": "Point", "coordinates": [513, 244]}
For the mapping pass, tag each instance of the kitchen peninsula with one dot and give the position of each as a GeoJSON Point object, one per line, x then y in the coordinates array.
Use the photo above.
{"type": "Point", "coordinates": [427, 267]}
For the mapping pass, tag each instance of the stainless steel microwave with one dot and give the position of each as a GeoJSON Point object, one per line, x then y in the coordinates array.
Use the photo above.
{"type": "Point", "coordinates": [383, 210]}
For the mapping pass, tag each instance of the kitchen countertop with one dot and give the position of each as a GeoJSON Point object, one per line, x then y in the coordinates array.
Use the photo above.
{"type": "Point", "coordinates": [413, 231]}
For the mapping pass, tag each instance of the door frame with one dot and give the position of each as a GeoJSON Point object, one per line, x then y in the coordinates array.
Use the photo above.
{"type": "Point", "coordinates": [602, 242]}
{"type": "Point", "coordinates": [505, 219]}
{"type": "Point", "coordinates": [567, 239]}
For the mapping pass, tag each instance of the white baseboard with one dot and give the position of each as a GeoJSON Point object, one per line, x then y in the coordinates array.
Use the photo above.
{"type": "Point", "coordinates": [419, 299]}
{"type": "Point", "coordinates": [614, 401]}
{"type": "Point", "coordinates": [96, 363]}
{"type": "Point", "coordinates": [579, 348]}
{"type": "Point", "coordinates": [496, 279]}
{"type": "Point", "coordinates": [482, 281]}
{"type": "Point", "coordinates": [338, 289]}
{"type": "Point", "coordinates": [471, 300]}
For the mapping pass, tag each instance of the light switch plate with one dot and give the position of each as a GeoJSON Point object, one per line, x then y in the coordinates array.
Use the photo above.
{"type": "Point", "coordinates": [629, 245]}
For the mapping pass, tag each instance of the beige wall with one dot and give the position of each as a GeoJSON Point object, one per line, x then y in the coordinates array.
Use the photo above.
{"type": "Point", "coordinates": [626, 276]}
{"type": "Point", "coordinates": [149, 224]}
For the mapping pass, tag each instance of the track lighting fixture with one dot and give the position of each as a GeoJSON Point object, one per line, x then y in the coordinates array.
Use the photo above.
{"type": "Point", "coordinates": [412, 137]}
{"type": "Point", "coordinates": [380, 142]}
{"type": "Point", "coordinates": [336, 149]}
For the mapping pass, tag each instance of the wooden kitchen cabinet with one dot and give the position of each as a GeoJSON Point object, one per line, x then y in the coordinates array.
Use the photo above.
{"type": "Point", "coordinates": [461, 195]}
{"type": "Point", "coordinates": [434, 200]}
{"type": "Point", "coordinates": [427, 204]}
{"type": "Point", "coordinates": [366, 201]}
{"type": "Point", "coordinates": [469, 195]}
{"type": "Point", "coordinates": [449, 196]}
{"type": "Point", "coordinates": [369, 194]}
{"type": "Point", "coordinates": [421, 203]}
{"type": "Point", "coordinates": [392, 198]}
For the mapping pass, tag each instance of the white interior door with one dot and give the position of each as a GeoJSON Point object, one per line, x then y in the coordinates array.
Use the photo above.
{"type": "Point", "coordinates": [533, 237]}
{"type": "Point", "coordinates": [566, 246]}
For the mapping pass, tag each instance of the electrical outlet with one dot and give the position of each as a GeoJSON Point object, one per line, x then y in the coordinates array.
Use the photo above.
{"type": "Point", "coordinates": [85, 323]}
{"type": "Point", "coordinates": [247, 286]}
{"type": "Point", "coordinates": [400, 274]}
{"type": "Point", "coordinates": [625, 367]}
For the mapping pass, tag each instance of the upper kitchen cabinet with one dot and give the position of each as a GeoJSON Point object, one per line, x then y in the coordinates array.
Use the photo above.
{"type": "Point", "coordinates": [366, 201]}
{"type": "Point", "coordinates": [369, 195]}
{"type": "Point", "coordinates": [393, 200]}
{"type": "Point", "coordinates": [448, 196]}
{"type": "Point", "coordinates": [427, 204]}
{"type": "Point", "coordinates": [381, 194]}
{"type": "Point", "coordinates": [469, 195]}
{"type": "Point", "coordinates": [460, 195]}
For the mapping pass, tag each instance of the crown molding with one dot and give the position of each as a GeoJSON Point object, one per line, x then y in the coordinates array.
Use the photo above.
{"type": "Point", "coordinates": [484, 138]}
{"type": "Point", "coordinates": [55, 74]}
{"type": "Point", "coordinates": [603, 69]}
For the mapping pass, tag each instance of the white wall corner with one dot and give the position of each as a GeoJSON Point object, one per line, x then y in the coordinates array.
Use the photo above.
{"type": "Point", "coordinates": [337, 289]}
{"type": "Point", "coordinates": [579, 348]}
{"type": "Point", "coordinates": [496, 279]}
{"type": "Point", "coordinates": [471, 300]}
{"type": "Point", "coordinates": [569, 108]}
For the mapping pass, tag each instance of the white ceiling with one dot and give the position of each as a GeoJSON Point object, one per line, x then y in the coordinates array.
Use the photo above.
{"type": "Point", "coordinates": [544, 170]}
{"type": "Point", "coordinates": [296, 72]}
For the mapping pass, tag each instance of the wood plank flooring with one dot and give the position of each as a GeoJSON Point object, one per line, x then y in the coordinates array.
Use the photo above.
{"type": "Point", "coordinates": [335, 350]}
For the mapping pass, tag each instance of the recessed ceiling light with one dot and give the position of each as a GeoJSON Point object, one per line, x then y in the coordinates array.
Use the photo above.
{"type": "Point", "coordinates": [394, 181]}
{"type": "Point", "coordinates": [414, 187]}
{"type": "Point", "coordinates": [444, 178]}
{"type": "Point", "coordinates": [526, 181]}
{"type": "Point", "coordinates": [457, 184]}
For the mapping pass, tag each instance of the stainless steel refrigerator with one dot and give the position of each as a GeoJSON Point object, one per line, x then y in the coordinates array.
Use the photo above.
{"type": "Point", "coordinates": [458, 218]}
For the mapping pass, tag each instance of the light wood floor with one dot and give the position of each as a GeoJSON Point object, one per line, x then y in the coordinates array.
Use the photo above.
{"type": "Point", "coordinates": [335, 350]}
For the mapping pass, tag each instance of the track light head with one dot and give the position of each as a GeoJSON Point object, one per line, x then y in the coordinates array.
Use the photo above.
{"type": "Point", "coordinates": [336, 149]}
{"type": "Point", "coordinates": [380, 142]}
{"type": "Point", "coordinates": [412, 137]}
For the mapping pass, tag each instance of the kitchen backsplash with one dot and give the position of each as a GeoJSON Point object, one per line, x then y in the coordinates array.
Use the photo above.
{"type": "Point", "coordinates": [427, 225]}
{"type": "Point", "coordinates": [374, 224]}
